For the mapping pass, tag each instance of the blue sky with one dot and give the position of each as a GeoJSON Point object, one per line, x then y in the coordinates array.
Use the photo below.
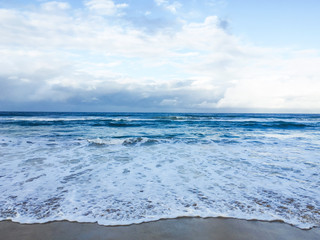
{"type": "Point", "coordinates": [160, 55]}
{"type": "Point", "coordinates": [275, 23]}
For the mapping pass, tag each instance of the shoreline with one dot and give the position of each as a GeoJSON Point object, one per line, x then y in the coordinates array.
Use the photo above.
{"type": "Point", "coordinates": [176, 228]}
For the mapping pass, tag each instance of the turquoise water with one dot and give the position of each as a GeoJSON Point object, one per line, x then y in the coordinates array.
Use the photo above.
{"type": "Point", "coordinates": [123, 168]}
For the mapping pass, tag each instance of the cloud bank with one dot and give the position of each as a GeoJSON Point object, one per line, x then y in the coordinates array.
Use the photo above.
{"type": "Point", "coordinates": [101, 57]}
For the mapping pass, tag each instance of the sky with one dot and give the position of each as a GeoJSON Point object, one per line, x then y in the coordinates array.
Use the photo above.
{"type": "Point", "coordinates": [160, 56]}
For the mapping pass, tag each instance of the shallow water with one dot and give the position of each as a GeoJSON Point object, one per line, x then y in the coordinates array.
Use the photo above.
{"type": "Point", "coordinates": [127, 168]}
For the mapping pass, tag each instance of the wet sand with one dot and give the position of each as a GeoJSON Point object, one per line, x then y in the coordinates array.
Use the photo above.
{"type": "Point", "coordinates": [181, 228]}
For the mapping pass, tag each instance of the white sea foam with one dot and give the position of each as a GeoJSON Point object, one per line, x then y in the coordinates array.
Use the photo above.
{"type": "Point", "coordinates": [130, 175]}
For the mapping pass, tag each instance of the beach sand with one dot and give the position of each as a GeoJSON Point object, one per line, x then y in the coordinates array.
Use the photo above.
{"type": "Point", "coordinates": [180, 228]}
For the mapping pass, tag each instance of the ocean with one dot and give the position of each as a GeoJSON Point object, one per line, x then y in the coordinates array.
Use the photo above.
{"type": "Point", "coordinates": [124, 168]}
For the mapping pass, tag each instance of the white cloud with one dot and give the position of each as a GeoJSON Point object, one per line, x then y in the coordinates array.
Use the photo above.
{"type": "Point", "coordinates": [277, 84]}
{"type": "Point", "coordinates": [169, 102]}
{"type": "Point", "coordinates": [52, 6]}
{"type": "Point", "coordinates": [172, 7]}
{"type": "Point", "coordinates": [161, 2]}
{"type": "Point", "coordinates": [85, 58]}
{"type": "Point", "coordinates": [105, 7]}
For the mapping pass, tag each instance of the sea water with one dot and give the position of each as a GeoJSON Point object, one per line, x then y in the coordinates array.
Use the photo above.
{"type": "Point", "coordinates": [124, 168]}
